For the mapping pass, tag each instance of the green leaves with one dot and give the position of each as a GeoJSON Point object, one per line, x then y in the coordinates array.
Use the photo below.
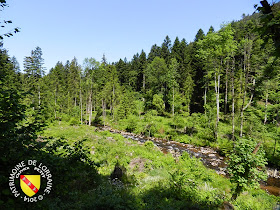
{"type": "Point", "coordinates": [245, 167]}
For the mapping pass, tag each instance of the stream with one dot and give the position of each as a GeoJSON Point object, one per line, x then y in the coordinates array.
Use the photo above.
{"type": "Point", "coordinates": [207, 155]}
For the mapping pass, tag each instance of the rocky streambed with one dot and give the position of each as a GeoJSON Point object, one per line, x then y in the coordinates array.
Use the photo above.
{"type": "Point", "coordinates": [207, 155]}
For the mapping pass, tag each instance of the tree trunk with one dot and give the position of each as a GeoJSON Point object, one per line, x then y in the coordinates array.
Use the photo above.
{"type": "Point", "coordinates": [217, 84]}
{"type": "Point", "coordinates": [257, 148]}
{"type": "Point", "coordinates": [244, 94]}
{"type": "Point", "coordinates": [226, 93]}
{"type": "Point", "coordinates": [275, 144]}
{"type": "Point", "coordinates": [87, 107]}
{"type": "Point", "coordinates": [243, 109]}
{"type": "Point", "coordinates": [246, 68]}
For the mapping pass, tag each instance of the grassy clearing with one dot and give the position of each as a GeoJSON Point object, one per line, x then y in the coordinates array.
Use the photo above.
{"type": "Point", "coordinates": [151, 179]}
{"type": "Point", "coordinates": [198, 130]}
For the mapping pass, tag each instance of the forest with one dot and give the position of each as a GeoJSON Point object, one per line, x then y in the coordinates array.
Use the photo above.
{"type": "Point", "coordinates": [220, 91]}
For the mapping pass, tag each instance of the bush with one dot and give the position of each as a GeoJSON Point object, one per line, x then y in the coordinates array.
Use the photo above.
{"type": "Point", "coordinates": [74, 121]}
{"type": "Point", "coordinates": [149, 144]}
{"type": "Point", "coordinates": [244, 166]}
{"type": "Point", "coordinates": [159, 104]}
{"type": "Point", "coordinates": [131, 123]}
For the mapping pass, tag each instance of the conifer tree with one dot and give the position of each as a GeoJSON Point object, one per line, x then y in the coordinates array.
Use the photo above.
{"type": "Point", "coordinates": [34, 71]}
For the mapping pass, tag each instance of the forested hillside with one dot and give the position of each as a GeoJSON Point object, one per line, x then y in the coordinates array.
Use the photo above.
{"type": "Point", "coordinates": [218, 90]}
{"type": "Point", "coordinates": [221, 86]}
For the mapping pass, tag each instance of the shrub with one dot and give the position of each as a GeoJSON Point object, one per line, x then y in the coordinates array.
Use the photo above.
{"type": "Point", "coordinates": [149, 144]}
{"type": "Point", "coordinates": [244, 165]}
{"type": "Point", "coordinates": [159, 104]}
{"type": "Point", "coordinates": [131, 123]}
{"type": "Point", "coordinates": [74, 121]}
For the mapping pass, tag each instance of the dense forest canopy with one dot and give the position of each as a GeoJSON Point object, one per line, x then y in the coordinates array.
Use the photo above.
{"type": "Point", "coordinates": [213, 91]}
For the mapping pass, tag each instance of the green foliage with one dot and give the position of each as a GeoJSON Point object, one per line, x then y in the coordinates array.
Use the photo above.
{"type": "Point", "coordinates": [126, 106]}
{"type": "Point", "coordinates": [246, 166]}
{"type": "Point", "coordinates": [270, 20]}
{"type": "Point", "coordinates": [132, 123]}
{"type": "Point", "coordinates": [188, 92]}
{"type": "Point", "coordinates": [264, 201]}
{"type": "Point", "coordinates": [158, 104]}
{"type": "Point", "coordinates": [74, 121]}
{"type": "Point", "coordinates": [149, 144]}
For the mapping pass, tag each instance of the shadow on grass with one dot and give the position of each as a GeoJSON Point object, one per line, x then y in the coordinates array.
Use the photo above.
{"type": "Point", "coordinates": [167, 198]}
{"type": "Point", "coordinates": [76, 183]}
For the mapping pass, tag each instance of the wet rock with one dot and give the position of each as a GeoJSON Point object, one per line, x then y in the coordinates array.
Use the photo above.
{"type": "Point", "coordinates": [273, 173]}
{"type": "Point", "coordinates": [214, 164]}
{"type": "Point", "coordinates": [169, 147]}
{"type": "Point", "coordinates": [212, 155]}
{"type": "Point", "coordinates": [176, 149]}
{"type": "Point", "coordinates": [197, 155]}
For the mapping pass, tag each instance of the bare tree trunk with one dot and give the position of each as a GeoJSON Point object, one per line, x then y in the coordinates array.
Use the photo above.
{"type": "Point", "coordinates": [242, 119]}
{"type": "Point", "coordinates": [94, 105]}
{"type": "Point", "coordinates": [246, 67]}
{"type": "Point", "coordinates": [244, 93]}
{"type": "Point", "coordinates": [217, 84]}
{"type": "Point", "coordinates": [226, 93]}
{"type": "Point", "coordinates": [87, 107]}
{"type": "Point", "coordinates": [257, 148]}
{"type": "Point", "coordinates": [232, 92]}
{"type": "Point", "coordinates": [243, 109]}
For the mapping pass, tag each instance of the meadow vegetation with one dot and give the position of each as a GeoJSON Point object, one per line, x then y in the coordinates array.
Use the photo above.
{"type": "Point", "coordinates": [222, 90]}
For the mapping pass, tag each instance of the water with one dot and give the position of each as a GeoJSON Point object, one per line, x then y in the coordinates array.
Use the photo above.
{"type": "Point", "coordinates": [207, 155]}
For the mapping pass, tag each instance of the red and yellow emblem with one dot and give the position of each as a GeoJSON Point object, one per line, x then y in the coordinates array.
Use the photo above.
{"type": "Point", "coordinates": [30, 184]}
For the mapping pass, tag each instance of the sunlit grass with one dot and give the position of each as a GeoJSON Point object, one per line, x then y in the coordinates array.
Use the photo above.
{"type": "Point", "coordinates": [160, 176]}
